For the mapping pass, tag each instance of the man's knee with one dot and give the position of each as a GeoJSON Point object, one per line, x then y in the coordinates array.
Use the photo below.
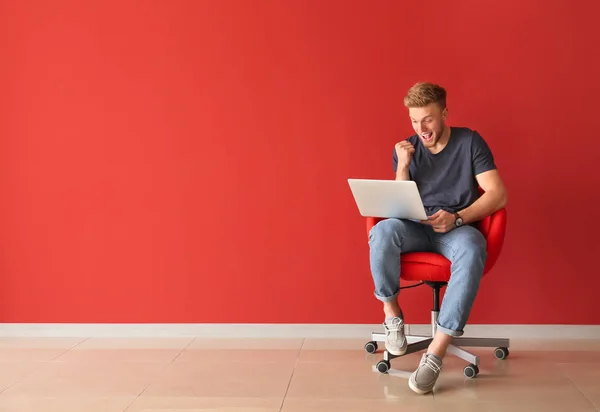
{"type": "Point", "coordinates": [471, 245]}
{"type": "Point", "coordinates": [387, 229]}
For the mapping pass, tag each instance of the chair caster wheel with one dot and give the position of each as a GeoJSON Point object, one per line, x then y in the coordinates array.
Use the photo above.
{"type": "Point", "coordinates": [501, 353]}
{"type": "Point", "coordinates": [383, 366]}
{"type": "Point", "coordinates": [371, 347]}
{"type": "Point", "coordinates": [471, 371]}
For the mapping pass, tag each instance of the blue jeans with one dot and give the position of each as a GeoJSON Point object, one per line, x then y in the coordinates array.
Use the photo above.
{"type": "Point", "coordinates": [464, 247]}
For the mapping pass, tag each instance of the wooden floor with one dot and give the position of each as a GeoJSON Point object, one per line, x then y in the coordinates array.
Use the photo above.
{"type": "Point", "coordinates": [256, 375]}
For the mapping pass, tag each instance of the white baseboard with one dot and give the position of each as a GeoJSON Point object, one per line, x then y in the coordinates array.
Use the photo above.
{"type": "Point", "coordinates": [292, 331]}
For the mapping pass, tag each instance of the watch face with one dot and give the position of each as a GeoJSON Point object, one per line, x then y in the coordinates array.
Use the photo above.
{"type": "Point", "coordinates": [459, 221]}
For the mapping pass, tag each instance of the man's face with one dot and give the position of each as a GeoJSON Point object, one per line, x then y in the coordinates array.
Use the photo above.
{"type": "Point", "coordinates": [428, 122]}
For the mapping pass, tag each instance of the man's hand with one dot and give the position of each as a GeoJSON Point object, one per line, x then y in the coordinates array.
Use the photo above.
{"type": "Point", "coordinates": [404, 150]}
{"type": "Point", "coordinates": [441, 221]}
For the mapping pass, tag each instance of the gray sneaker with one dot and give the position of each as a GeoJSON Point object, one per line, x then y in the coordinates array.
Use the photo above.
{"type": "Point", "coordinates": [395, 340]}
{"type": "Point", "coordinates": [423, 379]}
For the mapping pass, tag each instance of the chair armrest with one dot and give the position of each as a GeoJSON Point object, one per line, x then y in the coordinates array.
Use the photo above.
{"type": "Point", "coordinates": [494, 229]}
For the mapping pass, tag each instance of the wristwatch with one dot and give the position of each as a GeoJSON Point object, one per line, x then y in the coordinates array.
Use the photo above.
{"type": "Point", "coordinates": [458, 222]}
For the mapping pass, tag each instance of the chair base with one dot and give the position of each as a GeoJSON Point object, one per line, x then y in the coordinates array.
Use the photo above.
{"type": "Point", "coordinates": [418, 343]}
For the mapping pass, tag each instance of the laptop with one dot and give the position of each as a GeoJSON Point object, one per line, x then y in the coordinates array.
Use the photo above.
{"type": "Point", "coordinates": [388, 198]}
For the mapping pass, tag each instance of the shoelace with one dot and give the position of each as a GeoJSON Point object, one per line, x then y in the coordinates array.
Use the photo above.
{"type": "Point", "coordinates": [393, 329]}
{"type": "Point", "coordinates": [427, 361]}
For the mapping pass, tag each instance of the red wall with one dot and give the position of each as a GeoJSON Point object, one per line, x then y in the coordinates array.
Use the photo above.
{"type": "Point", "coordinates": [186, 161]}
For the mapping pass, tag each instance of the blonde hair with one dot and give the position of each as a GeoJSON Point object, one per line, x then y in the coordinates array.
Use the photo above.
{"type": "Point", "coordinates": [425, 93]}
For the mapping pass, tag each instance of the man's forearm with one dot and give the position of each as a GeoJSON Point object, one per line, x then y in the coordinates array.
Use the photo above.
{"type": "Point", "coordinates": [488, 203]}
{"type": "Point", "coordinates": [402, 173]}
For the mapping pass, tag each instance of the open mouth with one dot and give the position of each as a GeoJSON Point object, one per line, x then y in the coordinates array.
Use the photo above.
{"type": "Point", "coordinates": [427, 137]}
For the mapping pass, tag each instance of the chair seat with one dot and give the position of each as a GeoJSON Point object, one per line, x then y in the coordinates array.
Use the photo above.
{"type": "Point", "coordinates": [425, 266]}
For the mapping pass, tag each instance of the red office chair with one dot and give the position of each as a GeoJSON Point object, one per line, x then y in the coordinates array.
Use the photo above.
{"type": "Point", "coordinates": [433, 270]}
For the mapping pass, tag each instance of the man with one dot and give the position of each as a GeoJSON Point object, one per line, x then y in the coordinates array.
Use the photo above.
{"type": "Point", "coordinates": [447, 164]}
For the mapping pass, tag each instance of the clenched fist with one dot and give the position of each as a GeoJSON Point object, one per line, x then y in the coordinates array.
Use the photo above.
{"type": "Point", "coordinates": [404, 150]}
{"type": "Point", "coordinates": [441, 221]}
